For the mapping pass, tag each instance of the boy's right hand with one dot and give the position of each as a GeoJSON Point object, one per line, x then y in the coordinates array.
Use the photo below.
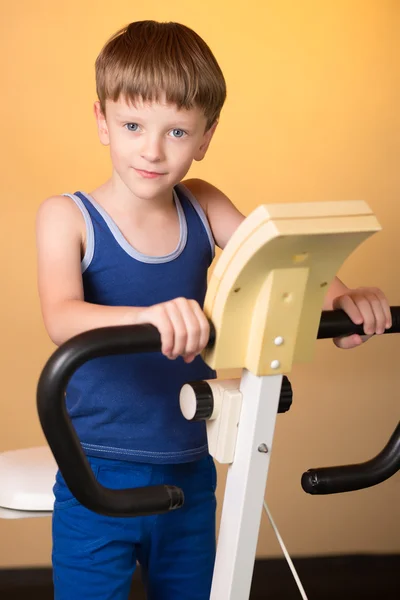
{"type": "Point", "coordinates": [183, 327]}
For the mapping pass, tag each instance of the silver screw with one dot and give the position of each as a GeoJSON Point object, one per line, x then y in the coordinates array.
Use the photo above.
{"type": "Point", "coordinates": [263, 448]}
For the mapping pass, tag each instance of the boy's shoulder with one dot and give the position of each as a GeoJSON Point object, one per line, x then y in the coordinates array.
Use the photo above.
{"type": "Point", "coordinates": [58, 212]}
{"type": "Point", "coordinates": [206, 194]}
{"type": "Point", "coordinates": [58, 202]}
{"type": "Point", "coordinates": [222, 214]}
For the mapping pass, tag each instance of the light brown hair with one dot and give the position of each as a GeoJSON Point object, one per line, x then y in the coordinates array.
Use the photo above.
{"type": "Point", "coordinates": [153, 61]}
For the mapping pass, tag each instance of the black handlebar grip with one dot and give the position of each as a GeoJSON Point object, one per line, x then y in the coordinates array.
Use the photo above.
{"type": "Point", "coordinates": [62, 438]}
{"type": "Point", "coordinates": [332, 480]}
{"type": "Point", "coordinates": [335, 480]}
{"type": "Point", "coordinates": [336, 323]}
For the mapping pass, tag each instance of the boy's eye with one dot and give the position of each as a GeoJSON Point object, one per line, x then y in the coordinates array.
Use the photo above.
{"type": "Point", "coordinates": [178, 133]}
{"type": "Point", "coordinates": [132, 126]}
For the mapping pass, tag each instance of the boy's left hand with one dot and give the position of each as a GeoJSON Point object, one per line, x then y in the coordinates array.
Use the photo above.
{"type": "Point", "coordinates": [363, 305]}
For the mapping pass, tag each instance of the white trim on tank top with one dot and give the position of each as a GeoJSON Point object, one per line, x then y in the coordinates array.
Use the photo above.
{"type": "Point", "coordinates": [122, 241]}
{"type": "Point", "coordinates": [88, 257]}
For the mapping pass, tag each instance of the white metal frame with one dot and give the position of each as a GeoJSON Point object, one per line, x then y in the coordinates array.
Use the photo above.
{"type": "Point", "coordinates": [245, 488]}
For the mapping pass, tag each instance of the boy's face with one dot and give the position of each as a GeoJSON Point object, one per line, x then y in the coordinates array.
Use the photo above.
{"type": "Point", "coordinates": [152, 144]}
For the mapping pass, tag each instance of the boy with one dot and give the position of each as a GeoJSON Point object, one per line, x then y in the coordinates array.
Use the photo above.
{"type": "Point", "coordinates": [137, 250]}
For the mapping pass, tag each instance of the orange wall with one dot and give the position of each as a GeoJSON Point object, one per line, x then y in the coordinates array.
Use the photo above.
{"type": "Point", "coordinates": [312, 115]}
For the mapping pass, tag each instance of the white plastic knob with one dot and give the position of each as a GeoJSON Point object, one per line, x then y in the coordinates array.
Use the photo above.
{"type": "Point", "coordinates": [188, 401]}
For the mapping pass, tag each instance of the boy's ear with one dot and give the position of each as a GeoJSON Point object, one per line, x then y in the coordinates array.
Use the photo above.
{"type": "Point", "coordinates": [101, 124]}
{"type": "Point", "coordinates": [207, 137]}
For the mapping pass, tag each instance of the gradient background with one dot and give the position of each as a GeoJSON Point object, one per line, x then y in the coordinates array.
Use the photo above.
{"type": "Point", "coordinates": [312, 115]}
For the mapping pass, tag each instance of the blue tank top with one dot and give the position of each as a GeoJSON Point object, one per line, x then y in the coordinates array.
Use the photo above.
{"type": "Point", "coordinates": [126, 407]}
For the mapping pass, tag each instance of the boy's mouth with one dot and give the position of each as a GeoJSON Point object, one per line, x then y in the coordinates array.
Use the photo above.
{"type": "Point", "coordinates": [149, 174]}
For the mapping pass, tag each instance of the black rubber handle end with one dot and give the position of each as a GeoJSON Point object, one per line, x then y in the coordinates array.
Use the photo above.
{"type": "Point", "coordinates": [176, 495]}
{"type": "Point", "coordinates": [309, 482]}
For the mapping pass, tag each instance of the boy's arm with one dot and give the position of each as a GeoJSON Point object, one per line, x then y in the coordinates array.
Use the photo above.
{"type": "Point", "coordinates": [59, 234]}
{"type": "Point", "coordinates": [363, 305]}
{"type": "Point", "coordinates": [60, 228]}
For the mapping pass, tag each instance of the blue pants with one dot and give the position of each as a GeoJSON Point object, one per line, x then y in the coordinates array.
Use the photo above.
{"type": "Point", "coordinates": [94, 557]}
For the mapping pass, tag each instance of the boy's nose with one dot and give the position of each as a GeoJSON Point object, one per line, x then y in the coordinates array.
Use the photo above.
{"type": "Point", "coordinates": [152, 149]}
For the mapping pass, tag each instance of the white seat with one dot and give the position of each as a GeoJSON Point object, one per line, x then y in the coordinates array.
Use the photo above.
{"type": "Point", "coordinates": [26, 482]}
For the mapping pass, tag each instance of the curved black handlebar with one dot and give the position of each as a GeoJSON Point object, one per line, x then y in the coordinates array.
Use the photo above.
{"type": "Point", "coordinates": [61, 435]}
{"type": "Point", "coordinates": [334, 480]}
{"type": "Point", "coordinates": [347, 478]}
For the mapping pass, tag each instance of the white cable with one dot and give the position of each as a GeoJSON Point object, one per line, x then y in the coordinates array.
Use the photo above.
{"type": "Point", "coordinates": [286, 553]}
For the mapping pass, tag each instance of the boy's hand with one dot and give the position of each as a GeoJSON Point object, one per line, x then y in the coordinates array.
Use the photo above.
{"type": "Point", "coordinates": [183, 327]}
{"type": "Point", "coordinates": [364, 305]}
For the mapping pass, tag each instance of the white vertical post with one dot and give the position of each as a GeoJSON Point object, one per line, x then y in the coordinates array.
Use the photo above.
{"type": "Point", "coordinates": [245, 488]}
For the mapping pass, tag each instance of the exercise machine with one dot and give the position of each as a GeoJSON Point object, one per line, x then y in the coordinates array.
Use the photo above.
{"type": "Point", "coordinates": [264, 304]}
